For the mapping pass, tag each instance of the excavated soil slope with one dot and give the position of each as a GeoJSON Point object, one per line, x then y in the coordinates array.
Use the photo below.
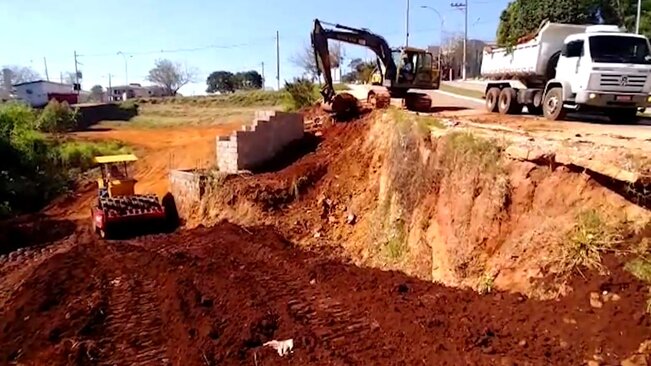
{"type": "Point", "coordinates": [213, 296]}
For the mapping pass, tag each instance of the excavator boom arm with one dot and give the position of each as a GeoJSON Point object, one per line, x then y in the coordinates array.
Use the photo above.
{"type": "Point", "coordinates": [361, 37]}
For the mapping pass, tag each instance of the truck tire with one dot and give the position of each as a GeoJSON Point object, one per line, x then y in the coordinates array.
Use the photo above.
{"type": "Point", "coordinates": [623, 116]}
{"type": "Point", "coordinates": [492, 99]}
{"type": "Point", "coordinates": [553, 105]}
{"type": "Point", "coordinates": [508, 103]}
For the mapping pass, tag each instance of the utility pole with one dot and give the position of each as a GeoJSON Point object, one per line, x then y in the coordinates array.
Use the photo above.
{"type": "Point", "coordinates": [278, 59]}
{"type": "Point", "coordinates": [637, 20]}
{"type": "Point", "coordinates": [407, 26]}
{"type": "Point", "coordinates": [464, 6]}
{"type": "Point", "coordinates": [126, 68]}
{"type": "Point", "coordinates": [262, 74]}
{"type": "Point", "coordinates": [109, 95]}
{"type": "Point", "coordinates": [76, 75]}
{"type": "Point", "coordinates": [47, 76]}
{"type": "Point", "coordinates": [440, 63]}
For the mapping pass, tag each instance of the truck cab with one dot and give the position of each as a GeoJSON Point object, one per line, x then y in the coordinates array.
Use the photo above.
{"type": "Point", "coordinates": [603, 68]}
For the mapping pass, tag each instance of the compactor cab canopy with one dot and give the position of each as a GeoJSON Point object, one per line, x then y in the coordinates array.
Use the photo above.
{"type": "Point", "coordinates": [115, 175]}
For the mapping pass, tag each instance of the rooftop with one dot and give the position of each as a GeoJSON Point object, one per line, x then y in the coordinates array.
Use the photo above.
{"type": "Point", "coordinates": [42, 81]}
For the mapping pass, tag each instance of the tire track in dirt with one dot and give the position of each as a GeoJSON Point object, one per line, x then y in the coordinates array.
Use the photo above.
{"type": "Point", "coordinates": [132, 331]}
{"type": "Point", "coordinates": [213, 296]}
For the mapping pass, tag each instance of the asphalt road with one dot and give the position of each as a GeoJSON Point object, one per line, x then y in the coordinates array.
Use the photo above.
{"type": "Point", "coordinates": [446, 104]}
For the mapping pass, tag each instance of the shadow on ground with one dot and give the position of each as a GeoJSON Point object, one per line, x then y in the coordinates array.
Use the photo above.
{"type": "Point", "coordinates": [16, 235]}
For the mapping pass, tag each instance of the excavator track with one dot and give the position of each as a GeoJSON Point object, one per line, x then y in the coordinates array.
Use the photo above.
{"type": "Point", "coordinates": [379, 98]}
{"type": "Point", "coordinates": [418, 102]}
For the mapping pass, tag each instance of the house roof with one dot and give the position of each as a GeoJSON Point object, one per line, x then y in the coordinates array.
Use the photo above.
{"type": "Point", "coordinates": [41, 81]}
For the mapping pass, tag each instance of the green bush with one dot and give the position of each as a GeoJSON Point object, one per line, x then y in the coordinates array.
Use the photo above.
{"type": "Point", "coordinates": [300, 93]}
{"type": "Point", "coordinates": [79, 155]}
{"type": "Point", "coordinates": [57, 117]}
{"type": "Point", "coordinates": [33, 168]}
{"type": "Point", "coordinates": [16, 116]}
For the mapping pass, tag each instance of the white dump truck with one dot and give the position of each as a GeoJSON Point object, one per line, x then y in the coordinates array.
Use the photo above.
{"type": "Point", "coordinates": [569, 67]}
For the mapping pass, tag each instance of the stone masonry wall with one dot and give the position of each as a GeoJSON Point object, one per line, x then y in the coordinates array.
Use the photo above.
{"type": "Point", "coordinates": [254, 144]}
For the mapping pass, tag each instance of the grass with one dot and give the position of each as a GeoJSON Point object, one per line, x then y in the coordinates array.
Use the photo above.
{"type": "Point", "coordinates": [486, 283]}
{"type": "Point", "coordinates": [424, 124]}
{"type": "Point", "coordinates": [245, 98]}
{"type": "Point", "coordinates": [80, 155]}
{"type": "Point", "coordinates": [171, 115]}
{"type": "Point", "coordinates": [640, 268]}
{"type": "Point", "coordinates": [588, 240]}
{"type": "Point", "coordinates": [465, 150]}
{"type": "Point", "coordinates": [341, 87]}
{"type": "Point", "coordinates": [462, 91]}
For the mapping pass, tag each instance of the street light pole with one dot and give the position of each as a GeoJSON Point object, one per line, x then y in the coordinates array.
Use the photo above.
{"type": "Point", "coordinates": [126, 68]}
{"type": "Point", "coordinates": [407, 26]}
{"type": "Point", "coordinates": [464, 7]}
{"type": "Point", "coordinates": [440, 35]}
{"type": "Point", "coordinates": [637, 20]}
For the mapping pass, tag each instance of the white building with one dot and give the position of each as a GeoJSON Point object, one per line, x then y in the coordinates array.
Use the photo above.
{"type": "Point", "coordinates": [123, 92]}
{"type": "Point", "coordinates": [37, 93]}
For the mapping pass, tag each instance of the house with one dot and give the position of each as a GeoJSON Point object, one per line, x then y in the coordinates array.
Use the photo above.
{"type": "Point", "coordinates": [38, 93]}
{"type": "Point", "coordinates": [123, 92]}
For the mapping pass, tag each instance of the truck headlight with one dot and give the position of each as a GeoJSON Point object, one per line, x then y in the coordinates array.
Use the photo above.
{"type": "Point", "coordinates": [592, 95]}
{"type": "Point", "coordinates": [648, 99]}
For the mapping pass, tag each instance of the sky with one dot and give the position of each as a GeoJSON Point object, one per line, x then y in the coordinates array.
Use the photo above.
{"type": "Point", "coordinates": [209, 35]}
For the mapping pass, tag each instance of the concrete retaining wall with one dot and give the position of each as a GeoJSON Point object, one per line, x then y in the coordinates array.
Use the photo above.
{"type": "Point", "coordinates": [254, 144]}
{"type": "Point", "coordinates": [187, 187]}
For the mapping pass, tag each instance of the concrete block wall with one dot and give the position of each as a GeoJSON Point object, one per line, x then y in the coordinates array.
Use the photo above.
{"type": "Point", "coordinates": [254, 144]}
{"type": "Point", "coordinates": [188, 188]}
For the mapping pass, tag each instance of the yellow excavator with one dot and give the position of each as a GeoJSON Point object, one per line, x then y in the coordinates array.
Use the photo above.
{"type": "Point", "coordinates": [398, 70]}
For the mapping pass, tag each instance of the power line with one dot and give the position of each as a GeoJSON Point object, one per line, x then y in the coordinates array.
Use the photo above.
{"type": "Point", "coordinates": [182, 50]}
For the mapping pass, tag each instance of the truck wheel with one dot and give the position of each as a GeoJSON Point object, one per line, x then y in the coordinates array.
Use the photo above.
{"type": "Point", "coordinates": [553, 105]}
{"type": "Point", "coordinates": [508, 103]}
{"type": "Point", "coordinates": [492, 99]}
{"type": "Point", "coordinates": [624, 116]}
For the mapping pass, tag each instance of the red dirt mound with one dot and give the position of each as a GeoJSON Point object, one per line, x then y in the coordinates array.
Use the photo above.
{"type": "Point", "coordinates": [213, 296]}
{"type": "Point", "coordinates": [276, 189]}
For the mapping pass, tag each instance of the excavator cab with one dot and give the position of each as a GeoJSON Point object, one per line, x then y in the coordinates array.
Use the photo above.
{"type": "Point", "coordinates": [416, 69]}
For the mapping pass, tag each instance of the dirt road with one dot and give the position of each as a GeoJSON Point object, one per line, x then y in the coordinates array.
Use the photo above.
{"type": "Point", "coordinates": [213, 296]}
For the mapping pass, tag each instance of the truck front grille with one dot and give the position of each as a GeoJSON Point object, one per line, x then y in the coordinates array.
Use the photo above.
{"type": "Point", "coordinates": [622, 82]}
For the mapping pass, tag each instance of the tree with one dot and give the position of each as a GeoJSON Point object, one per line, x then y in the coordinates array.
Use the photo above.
{"type": "Point", "coordinates": [248, 80]}
{"type": "Point", "coordinates": [20, 74]}
{"type": "Point", "coordinates": [69, 77]}
{"type": "Point", "coordinates": [306, 61]}
{"type": "Point", "coordinates": [170, 76]}
{"type": "Point", "coordinates": [221, 81]}
{"type": "Point", "coordinates": [361, 71]}
{"type": "Point", "coordinates": [96, 93]}
{"type": "Point", "coordinates": [522, 18]}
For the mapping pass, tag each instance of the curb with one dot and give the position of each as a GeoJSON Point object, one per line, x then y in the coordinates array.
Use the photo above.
{"type": "Point", "coordinates": [476, 100]}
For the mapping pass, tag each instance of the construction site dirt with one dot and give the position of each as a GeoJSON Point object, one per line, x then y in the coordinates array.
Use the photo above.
{"type": "Point", "coordinates": [215, 295]}
{"type": "Point", "coordinates": [212, 296]}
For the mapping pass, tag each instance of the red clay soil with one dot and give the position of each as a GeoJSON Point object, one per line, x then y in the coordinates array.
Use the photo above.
{"type": "Point", "coordinates": [213, 296]}
{"type": "Point", "coordinates": [302, 166]}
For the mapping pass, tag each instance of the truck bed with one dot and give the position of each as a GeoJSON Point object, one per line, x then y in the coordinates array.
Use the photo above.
{"type": "Point", "coordinates": [529, 59]}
